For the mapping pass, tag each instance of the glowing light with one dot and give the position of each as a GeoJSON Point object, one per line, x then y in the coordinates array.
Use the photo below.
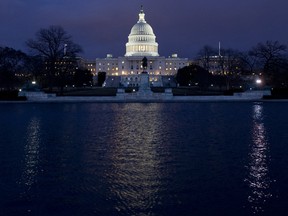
{"type": "Point", "coordinates": [258, 81]}
{"type": "Point", "coordinates": [33, 82]}
{"type": "Point", "coordinates": [258, 178]}
{"type": "Point", "coordinates": [31, 152]}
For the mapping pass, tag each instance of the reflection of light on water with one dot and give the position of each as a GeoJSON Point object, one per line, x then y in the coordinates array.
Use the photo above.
{"type": "Point", "coordinates": [134, 177]}
{"type": "Point", "coordinates": [31, 151]}
{"type": "Point", "coordinates": [258, 178]}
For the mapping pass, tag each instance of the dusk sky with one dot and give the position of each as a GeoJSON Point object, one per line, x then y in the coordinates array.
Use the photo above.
{"type": "Point", "coordinates": [183, 26]}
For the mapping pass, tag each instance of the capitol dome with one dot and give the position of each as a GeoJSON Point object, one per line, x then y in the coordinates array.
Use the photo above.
{"type": "Point", "coordinates": [142, 40]}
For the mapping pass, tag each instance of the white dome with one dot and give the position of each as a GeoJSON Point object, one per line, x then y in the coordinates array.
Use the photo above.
{"type": "Point", "coordinates": [142, 29]}
{"type": "Point", "coordinates": [141, 40]}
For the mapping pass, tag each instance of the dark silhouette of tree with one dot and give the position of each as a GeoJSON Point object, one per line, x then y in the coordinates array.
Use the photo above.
{"type": "Point", "coordinates": [193, 74]}
{"type": "Point", "coordinates": [12, 64]}
{"type": "Point", "coordinates": [205, 56]}
{"type": "Point", "coordinates": [230, 61]}
{"type": "Point", "coordinates": [248, 63]}
{"type": "Point", "coordinates": [229, 64]}
{"type": "Point", "coordinates": [271, 56]}
{"type": "Point", "coordinates": [35, 69]}
{"type": "Point", "coordinates": [184, 76]}
{"type": "Point", "coordinates": [57, 49]}
{"type": "Point", "coordinates": [82, 78]}
{"type": "Point", "coordinates": [101, 78]}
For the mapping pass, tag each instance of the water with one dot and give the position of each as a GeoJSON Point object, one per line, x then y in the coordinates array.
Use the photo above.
{"type": "Point", "coordinates": [144, 159]}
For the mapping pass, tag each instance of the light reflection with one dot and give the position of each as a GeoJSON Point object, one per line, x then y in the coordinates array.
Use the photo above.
{"type": "Point", "coordinates": [135, 175]}
{"type": "Point", "coordinates": [31, 151]}
{"type": "Point", "coordinates": [258, 178]}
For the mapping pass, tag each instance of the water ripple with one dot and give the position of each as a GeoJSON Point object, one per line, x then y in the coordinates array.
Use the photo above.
{"type": "Point", "coordinates": [142, 159]}
{"type": "Point", "coordinates": [31, 152]}
{"type": "Point", "coordinates": [259, 179]}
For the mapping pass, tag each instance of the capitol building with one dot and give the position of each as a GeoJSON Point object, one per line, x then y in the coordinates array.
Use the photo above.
{"type": "Point", "coordinates": [141, 43]}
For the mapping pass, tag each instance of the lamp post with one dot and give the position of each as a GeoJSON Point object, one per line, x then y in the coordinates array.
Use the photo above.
{"type": "Point", "coordinates": [259, 83]}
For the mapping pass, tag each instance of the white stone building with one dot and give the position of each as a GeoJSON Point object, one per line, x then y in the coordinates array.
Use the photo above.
{"type": "Point", "coordinates": [141, 43]}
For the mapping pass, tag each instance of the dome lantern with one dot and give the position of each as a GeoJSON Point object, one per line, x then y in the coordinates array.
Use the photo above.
{"type": "Point", "coordinates": [142, 15]}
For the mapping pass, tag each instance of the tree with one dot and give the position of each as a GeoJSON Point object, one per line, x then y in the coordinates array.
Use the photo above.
{"type": "Point", "coordinates": [12, 64]}
{"type": "Point", "coordinates": [248, 62]}
{"type": "Point", "coordinates": [55, 45]}
{"type": "Point", "coordinates": [82, 78]}
{"type": "Point", "coordinates": [184, 76]}
{"type": "Point", "coordinates": [205, 56]}
{"type": "Point", "coordinates": [193, 74]}
{"type": "Point", "coordinates": [271, 56]}
{"type": "Point", "coordinates": [229, 64]}
{"type": "Point", "coordinates": [230, 61]}
{"type": "Point", "coordinates": [101, 78]}
{"type": "Point", "coordinates": [35, 68]}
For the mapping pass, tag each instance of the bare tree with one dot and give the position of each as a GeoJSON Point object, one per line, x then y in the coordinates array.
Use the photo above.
{"type": "Point", "coordinates": [233, 61]}
{"type": "Point", "coordinates": [55, 45]}
{"type": "Point", "coordinates": [248, 62]}
{"type": "Point", "coordinates": [229, 65]}
{"type": "Point", "coordinates": [270, 55]}
{"type": "Point", "coordinates": [11, 67]}
{"type": "Point", "coordinates": [51, 42]}
{"type": "Point", "coordinates": [205, 56]}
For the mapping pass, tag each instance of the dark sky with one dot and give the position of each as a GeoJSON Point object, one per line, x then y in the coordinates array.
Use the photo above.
{"type": "Point", "coordinates": [181, 26]}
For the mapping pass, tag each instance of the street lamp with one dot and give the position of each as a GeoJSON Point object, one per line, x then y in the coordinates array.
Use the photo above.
{"type": "Point", "coordinates": [258, 81]}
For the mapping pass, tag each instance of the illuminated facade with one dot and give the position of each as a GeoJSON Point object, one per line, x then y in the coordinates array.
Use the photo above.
{"type": "Point", "coordinates": [90, 65]}
{"type": "Point", "coordinates": [141, 43]}
{"type": "Point", "coordinates": [142, 40]}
